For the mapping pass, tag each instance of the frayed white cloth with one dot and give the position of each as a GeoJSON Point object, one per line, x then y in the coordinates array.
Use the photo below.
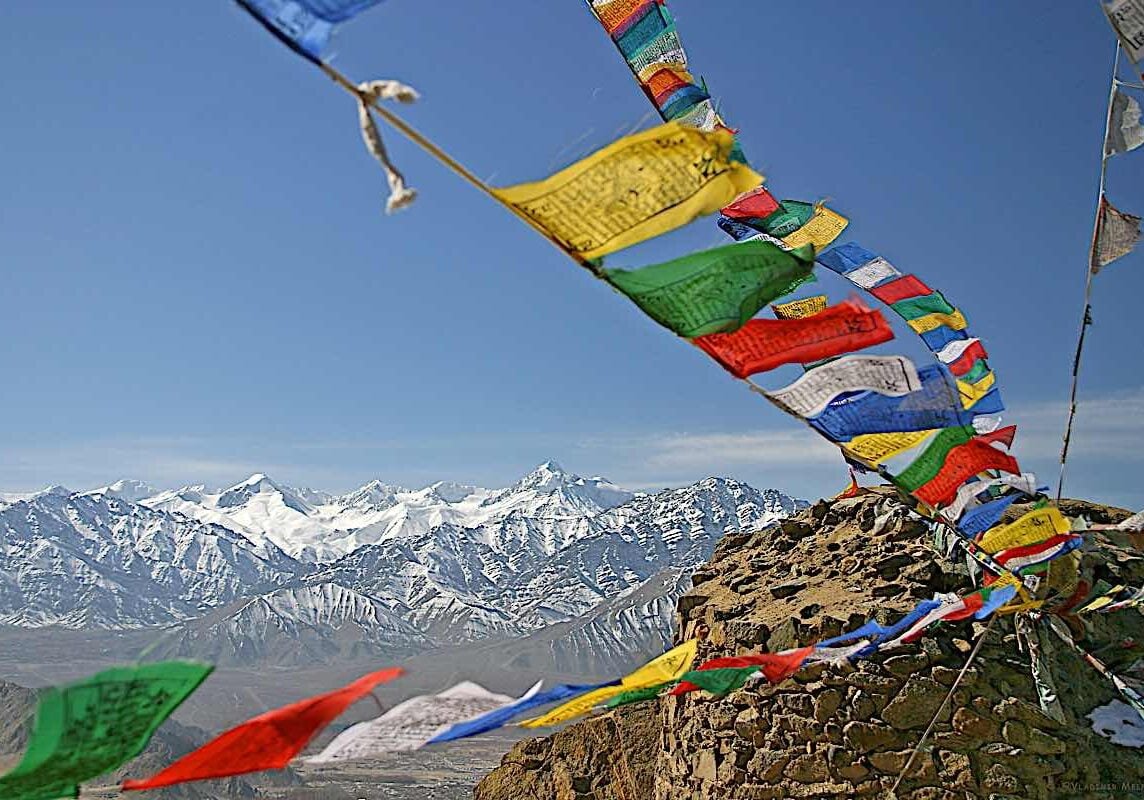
{"type": "Point", "coordinates": [370, 92]}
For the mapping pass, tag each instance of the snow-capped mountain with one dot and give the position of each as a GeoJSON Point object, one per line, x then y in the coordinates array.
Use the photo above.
{"type": "Point", "coordinates": [260, 570]}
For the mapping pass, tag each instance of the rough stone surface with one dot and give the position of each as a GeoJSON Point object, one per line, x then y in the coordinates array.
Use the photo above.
{"type": "Point", "coordinates": [847, 731]}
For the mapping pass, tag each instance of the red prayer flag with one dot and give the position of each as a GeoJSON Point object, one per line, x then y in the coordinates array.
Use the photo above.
{"type": "Point", "coordinates": [1003, 436]}
{"type": "Point", "coordinates": [269, 740]}
{"type": "Point", "coordinates": [777, 667]}
{"type": "Point", "coordinates": [763, 344]}
{"type": "Point", "coordinates": [970, 605]}
{"type": "Point", "coordinates": [964, 362]}
{"type": "Point", "coordinates": [664, 83]}
{"type": "Point", "coordinates": [757, 203]}
{"type": "Point", "coordinates": [961, 464]}
{"type": "Point", "coordinates": [902, 288]}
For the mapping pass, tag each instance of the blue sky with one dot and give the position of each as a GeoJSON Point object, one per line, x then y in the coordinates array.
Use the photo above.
{"type": "Point", "coordinates": [198, 281]}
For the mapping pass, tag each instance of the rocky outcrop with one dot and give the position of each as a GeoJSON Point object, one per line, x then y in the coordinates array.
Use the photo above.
{"type": "Point", "coordinates": [848, 731]}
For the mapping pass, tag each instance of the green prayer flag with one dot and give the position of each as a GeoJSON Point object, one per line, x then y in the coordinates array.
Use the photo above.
{"type": "Point", "coordinates": [721, 681]}
{"type": "Point", "coordinates": [96, 725]}
{"type": "Point", "coordinates": [715, 291]}
{"type": "Point", "coordinates": [926, 466]}
{"type": "Point", "coordinates": [978, 371]}
{"type": "Point", "coordinates": [638, 695]}
{"type": "Point", "coordinates": [791, 215]}
{"type": "Point", "coordinates": [915, 307]}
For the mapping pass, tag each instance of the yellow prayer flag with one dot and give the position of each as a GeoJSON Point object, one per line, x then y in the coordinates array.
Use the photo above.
{"type": "Point", "coordinates": [929, 322]}
{"type": "Point", "coordinates": [668, 667]}
{"type": "Point", "coordinates": [874, 448]}
{"type": "Point", "coordinates": [972, 392]}
{"type": "Point", "coordinates": [798, 309]}
{"type": "Point", "coordinates": [820, 230]}
{"type": "Point", "coordinates": [1104, 600]}
{"type": "Point", "coordinates": [634, 189]}
{"type": "Point", "coordinates": [1033, 527]}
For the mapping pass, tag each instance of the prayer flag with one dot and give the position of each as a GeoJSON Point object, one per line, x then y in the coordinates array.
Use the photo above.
{"type": "Point", "coordinates": [764, 344]}
{"type": "Point", "coordinates": [899, 289]}
{"type": "Point", "coordinates": [877, 633]}
{"type": "Point", "coordinates": [1125, 133]}
{"type": "Point", "coordinates": [666, 668]}
{"type": "Point", "coordinates": [304, 25]}
{"type": "Point", "coordinates": [961, 464]}
{"type": "Point", "coordinates": [96, 725]}
{"type": "Point", "coordinates": [1117, 234]}
{"type": "Point", "coordinates": [268, 741]}
{"type": "Point", "coordinates": [410, 725]}
{"type": "Point", "coordinates": [974, 393]}
{"type": "Point", "coordinates": [809, 396]}
{"type": "Point", "coordinates": [924, 324]}
{"type": "Point", "coordinates": [714, 290]}
{"type": "Point", "coordinates": [1026, 483]}
{"type": "Point", "coordinates": [755, 204]}
{"type": "Point", "coordinates": [1127, 18]}
{"type": "Point", "coordinates": [634, 189]}
{"type": "Point", "coordinates": [637, 695]}
{"type": "Point", "coordinates": [820, 230]}
{"type": "Point", "coordinates": [874, 448]}
{"type": "Point", "coordinates": [1035, 526]}
{"type": "Point", "coordinates": [980, 519]}
{"type": "Point", "coordinates": [972, 353]}
{"type": "Point", "coordinates": [798, 309]}
{"type": "Point", "coordinates": [914, 307]}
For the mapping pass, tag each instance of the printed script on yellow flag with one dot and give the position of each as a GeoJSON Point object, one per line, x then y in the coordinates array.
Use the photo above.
{"type": "Point", "coordinates": [668, 667]}
{"type": "Point", "coordinates": [874, 448]}
{"type": "Point", "coordinates": [800, 309]}
{"type": "Point", "coordinates": [1036, 526]}
{"type": "Point", "coordinates": [639, 187]}
{"type": "Point", "coordinates": [820, 230]}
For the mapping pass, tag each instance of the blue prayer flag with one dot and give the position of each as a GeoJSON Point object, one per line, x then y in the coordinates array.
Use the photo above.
{"type": "Point", "coordinates": [980, 519]}
{"type": "Point", "coordinates": [500, 716]}
{"type": "Point", "coordinates": [846, 257]}
{"type": "Point", "coordinates": [304, 25]}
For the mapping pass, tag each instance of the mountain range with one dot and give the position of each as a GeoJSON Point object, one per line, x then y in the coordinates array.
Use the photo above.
{"type": "Point", "coordinates": [262, 572]}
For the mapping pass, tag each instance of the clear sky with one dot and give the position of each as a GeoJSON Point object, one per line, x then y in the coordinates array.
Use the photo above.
{"type": "Point", "coordinates": [197, 281]}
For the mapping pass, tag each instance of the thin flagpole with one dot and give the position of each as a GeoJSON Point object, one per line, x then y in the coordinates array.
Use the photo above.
{"type": "Point", "coordinates": [1086, 313]}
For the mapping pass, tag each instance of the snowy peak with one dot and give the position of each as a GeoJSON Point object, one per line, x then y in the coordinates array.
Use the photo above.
{"type": "Point", "coordinates": [126, 489]}
{"type": "Point", "coordinates": [551, 479]}
{"type": "Point", "coordinates": [259, 484]}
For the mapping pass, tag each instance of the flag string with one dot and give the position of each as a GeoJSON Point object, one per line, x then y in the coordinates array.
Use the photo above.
{"type": "Point", "coordinates": [1086, 313]}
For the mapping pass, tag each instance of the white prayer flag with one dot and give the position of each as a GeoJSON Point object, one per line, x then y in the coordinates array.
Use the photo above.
{"type": "Point", "coordinates": [809, 395]}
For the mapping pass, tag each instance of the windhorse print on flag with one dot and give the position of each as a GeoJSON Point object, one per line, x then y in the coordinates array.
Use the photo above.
{"type": "Point", "coordinates": [634, 189]}
{"type": "Point", "coordinates": [304, 26]}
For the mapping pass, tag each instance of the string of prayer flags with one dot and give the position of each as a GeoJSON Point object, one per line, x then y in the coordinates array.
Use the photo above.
{"type": "Point", "coordinates": [764, 344]}
{"type": "Point", "coordinates": [634, 189]}
{"type": "Point", "coordinates": [268, 741]}
{"type": "Point", "coordinates": [93, 726]}
{"type": "Point", "coordinates": [666, 668]}
{"type": "Point", "coordinates": [1125, 133]}
{"type": "Point", "coordinates": [1116, 236]}
{"type": "Point", "coordinates": [1127, 18]}
{"type": "Point", "coordinates": [962, 463]}
{"type": "Point", "coordinates": [809, 395]}
{"type": "Point", "coordinates": [1105, 599]}
{"type": "Point", "coordinates": [304, 26]}
{"type": "Point", "coordinates": [500, 717]}
{"type": "Point", "coordinates": [411, 724]}
{"type": "Point", "coordinates": [798, 309]}
{"type": "Point", "coordinates": [875, 633]}
{"type": "Point", "coordinates": [714, 290]}
{"type": "Point", "coordinates": [1035, 526]}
